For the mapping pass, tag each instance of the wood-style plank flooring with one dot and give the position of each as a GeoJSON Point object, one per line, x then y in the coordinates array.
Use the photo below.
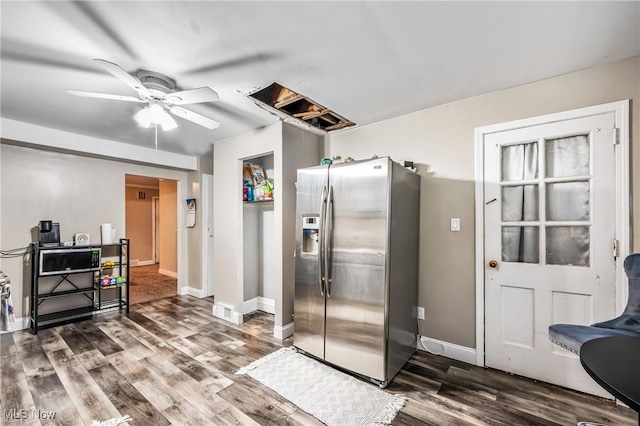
{"type": "Point", "coordinates": [171, 362]}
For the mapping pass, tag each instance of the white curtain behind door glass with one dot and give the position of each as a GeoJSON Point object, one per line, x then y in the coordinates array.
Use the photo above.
{"type": "Point", "coordinates": [520, 203]}
{"type": "Point", "coordinates": [568, 201]}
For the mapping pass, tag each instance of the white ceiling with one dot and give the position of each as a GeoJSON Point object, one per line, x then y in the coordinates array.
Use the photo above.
{"type": "Point", "coordinates": [367, 61]}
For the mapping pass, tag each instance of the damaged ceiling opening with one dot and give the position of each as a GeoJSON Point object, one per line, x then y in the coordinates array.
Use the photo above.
{"type": "Point", "coordinates": [300, 107]}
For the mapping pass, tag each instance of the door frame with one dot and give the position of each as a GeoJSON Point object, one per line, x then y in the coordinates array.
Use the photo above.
{"type": "Point", "coordinates": [154, 228]}
{"type": "Point", "coordinates": [207, 234]}
{"type": "Point", "coordinates": [620, 109]}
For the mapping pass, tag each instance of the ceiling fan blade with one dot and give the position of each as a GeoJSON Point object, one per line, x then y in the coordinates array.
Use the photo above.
{"type": "Point", "coordinates": [195, 117]}
{"type": "Point", "coordinates": [192, 96]}
{"type": "Point", "coordinates": [126, 78]}
{"type": "Point", "coordinates": [105, 96]}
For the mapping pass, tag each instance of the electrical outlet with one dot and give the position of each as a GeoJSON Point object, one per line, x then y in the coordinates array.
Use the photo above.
{"type": "Point", "coordinates": [420, 312]}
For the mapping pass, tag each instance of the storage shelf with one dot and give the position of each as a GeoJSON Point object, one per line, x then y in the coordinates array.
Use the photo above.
{"type": "Point", "coordinates": [69, 313]}
{"type": "Point", "coordinates": [258, 201]}
{"type": "Point", "coordinates": [66, 293]}
{"type": "Point", "coordinates": [60, 274]}
{"type": "Point", "coordinates": [94, 293]}
{"type": "Point", "coordinates": [111, 304]}
{"type": "Point", "coordinates": [106, 287]}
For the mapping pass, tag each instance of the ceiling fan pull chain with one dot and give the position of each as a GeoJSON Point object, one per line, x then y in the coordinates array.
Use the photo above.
{"type": "Point", "coordinates": [156, 126]}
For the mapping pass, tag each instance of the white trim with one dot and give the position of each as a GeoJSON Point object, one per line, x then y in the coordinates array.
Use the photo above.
{"type": "Point", "coordinates": [190, 291]}
{"type": "Point", "coordinates": [620, 109]}
{"type": "Point", "coordinates": [206, 192]}
{"type": "Point", "coordinates": [259, 304]}
{"type": "Point", "coordinates": [479, 269]}
{"type": "Point", "coordinates": [266, 305]}
{"type": "Point", "coordinates": [136, 262]}
{"type": "Point", "coordinates": [250, 306]}
{"type": "Point", "coordinates": [33, 135]}
{"type": "Point", "coordinates": [136, 185]}
{"type": "Point", "coordinates": [283, 332]}
{"type": "Point", "coordinates": [17, 325]}
{"type": "Point", "coordinates": [446, 349]}
{"type": "Point", "coordinates": [226, 312]}
{"type": "Point", "coordinates": [623, 203]}
{"type": "Point", "coordinates": [168, 273]}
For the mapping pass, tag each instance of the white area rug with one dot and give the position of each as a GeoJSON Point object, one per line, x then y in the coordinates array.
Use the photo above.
{"type": "Point", "coordinates": [333, 397]}
{"type": "Point", "coordinates": [112, 422]}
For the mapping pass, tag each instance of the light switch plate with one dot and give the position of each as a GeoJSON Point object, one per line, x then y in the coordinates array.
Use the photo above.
{"type": "Point", "coordinates": [455, 224]}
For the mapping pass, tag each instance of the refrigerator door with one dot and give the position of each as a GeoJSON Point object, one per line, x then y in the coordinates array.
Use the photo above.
{"type": "Point", "coordinates": [309, 305]}
{"type": "Point", "coordinates": [356, 292]}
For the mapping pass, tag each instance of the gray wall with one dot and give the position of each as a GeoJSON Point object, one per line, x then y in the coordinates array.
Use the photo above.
{"type": "Point", "coordinates": [79, 192]}
{"type": "Point", "coordinates": [292, 148]}
{"type": "Point", "coordinates": [194, 235]}
{"type": "Point", "coordinates": [441, 141]}
{"type": "Point", "coordinates": [228, 223]}
{"type": "Point", "coordinates": [299, 149]}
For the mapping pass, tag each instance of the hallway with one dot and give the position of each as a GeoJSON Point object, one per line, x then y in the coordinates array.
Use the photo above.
{"type": "Point", "coordinates": [148, 284]}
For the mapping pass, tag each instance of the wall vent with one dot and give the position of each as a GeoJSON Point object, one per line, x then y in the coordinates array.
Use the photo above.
{"type": "Point", "coordinates": [283, 101]}
{"type": "Point", "coordinates": [142, 195]}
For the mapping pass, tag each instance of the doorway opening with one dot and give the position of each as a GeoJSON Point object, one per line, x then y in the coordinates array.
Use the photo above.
{"type": "Point", "coordinates": [151, 226]}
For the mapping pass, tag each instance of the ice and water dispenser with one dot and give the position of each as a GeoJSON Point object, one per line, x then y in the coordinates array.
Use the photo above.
{"type": "Point", "coordinates": [310, 236]}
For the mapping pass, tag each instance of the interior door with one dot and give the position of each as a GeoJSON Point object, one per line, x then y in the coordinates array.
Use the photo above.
{"type": "Point", "coordinates": [357, 229]}
{"type": "Point", "coordinates": [549, 233]}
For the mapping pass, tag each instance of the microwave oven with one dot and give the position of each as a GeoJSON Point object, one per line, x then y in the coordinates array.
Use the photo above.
{"type": "Point", "coordinates": [66, 261]}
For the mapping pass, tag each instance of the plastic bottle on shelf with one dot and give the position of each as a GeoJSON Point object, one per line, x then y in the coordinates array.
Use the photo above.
{"type": "Point", "coordinates": [250, 193]}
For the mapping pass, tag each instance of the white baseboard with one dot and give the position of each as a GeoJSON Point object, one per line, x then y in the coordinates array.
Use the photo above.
{"type": "Point", "coordinates": [446, 349]}
{"type": "Point", "coordinates": [190, 291]}
{"type": "Point", "coordinates": [17, 325]}
{"type": "Point", "coordinates": [136, 262]}
{"type": "Point", "coordinates": [259, 304]}
{"type": "Point", "coordinates": [168, 273]}
{"type": "Point", "coordinates": [226, 312]}
{"type": "Point", "coordinates": [283, 332]}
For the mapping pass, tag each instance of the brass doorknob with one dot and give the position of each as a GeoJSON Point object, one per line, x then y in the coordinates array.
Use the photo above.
{"type": "Point", "coordinates": [493, 263]}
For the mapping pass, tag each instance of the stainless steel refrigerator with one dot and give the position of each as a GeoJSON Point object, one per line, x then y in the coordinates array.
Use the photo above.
{"type": "Point", "coordinates": [356, 277]}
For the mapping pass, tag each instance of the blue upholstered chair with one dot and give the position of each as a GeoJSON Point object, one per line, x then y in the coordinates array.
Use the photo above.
{"type": "Point", "coordinates": [571, 336]}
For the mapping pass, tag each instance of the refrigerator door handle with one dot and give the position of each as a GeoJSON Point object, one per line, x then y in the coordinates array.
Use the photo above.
{"type": "Point", "coordinates": [321, 237]}
{"type": "Point", "coordinates": [328, 242]}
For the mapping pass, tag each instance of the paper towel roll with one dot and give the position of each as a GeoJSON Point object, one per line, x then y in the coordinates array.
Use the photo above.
{"type": "Point", "coordinates": [107, 233]}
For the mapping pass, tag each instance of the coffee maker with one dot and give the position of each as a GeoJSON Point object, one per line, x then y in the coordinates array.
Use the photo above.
{"type": "Point", "coordinates": [49, 233]}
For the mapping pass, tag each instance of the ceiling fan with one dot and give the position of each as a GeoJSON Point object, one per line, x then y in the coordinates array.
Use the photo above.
{"type": "Point", "coordinates": [157, 90]}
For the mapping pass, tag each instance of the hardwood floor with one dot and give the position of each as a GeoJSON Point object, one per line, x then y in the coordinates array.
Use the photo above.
{"type": "Point", "coordinates": [171, 362]}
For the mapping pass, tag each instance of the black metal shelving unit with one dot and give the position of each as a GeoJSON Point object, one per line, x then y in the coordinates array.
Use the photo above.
{"type": "Point", "coordinates": [93, 293]}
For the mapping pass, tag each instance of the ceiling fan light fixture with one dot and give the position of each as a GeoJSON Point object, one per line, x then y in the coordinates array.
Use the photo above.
{"type": "Point", "coordinates": [155, 114]}
{"type": "Point", "coordinates": [143, 118]}
{"type": "Point", "coordinates": [168, 123]}
{"type": "Point", "coordinates": [158, 91]}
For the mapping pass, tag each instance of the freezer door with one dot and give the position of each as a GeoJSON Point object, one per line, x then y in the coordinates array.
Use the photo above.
{"type": "Point", "coordinates": [309, 306]}
{"type": "Point", "coordinates": [357, 229]}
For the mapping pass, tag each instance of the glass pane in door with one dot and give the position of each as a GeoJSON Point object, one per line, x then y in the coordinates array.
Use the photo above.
{"type": "Point", "coordinates": [520, 203]}
{"type": "Point", "coordinates": [520, 244]}
{"type": "Point", "coordinates": [520, 162]}
{"type": "Point", "coordinates": [567, 156]}
{"type": "Point", "coordinates": [568, 201]}
{"type": "Point", "coordinates": [568, 245]}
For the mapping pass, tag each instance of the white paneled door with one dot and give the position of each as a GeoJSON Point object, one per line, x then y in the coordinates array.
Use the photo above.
{"type": "Point", "coordinates": [549, 223]}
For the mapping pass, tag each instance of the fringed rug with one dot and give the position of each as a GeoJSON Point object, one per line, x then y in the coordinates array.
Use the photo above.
{"type": "Point", "coordinates": [333, 397]}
